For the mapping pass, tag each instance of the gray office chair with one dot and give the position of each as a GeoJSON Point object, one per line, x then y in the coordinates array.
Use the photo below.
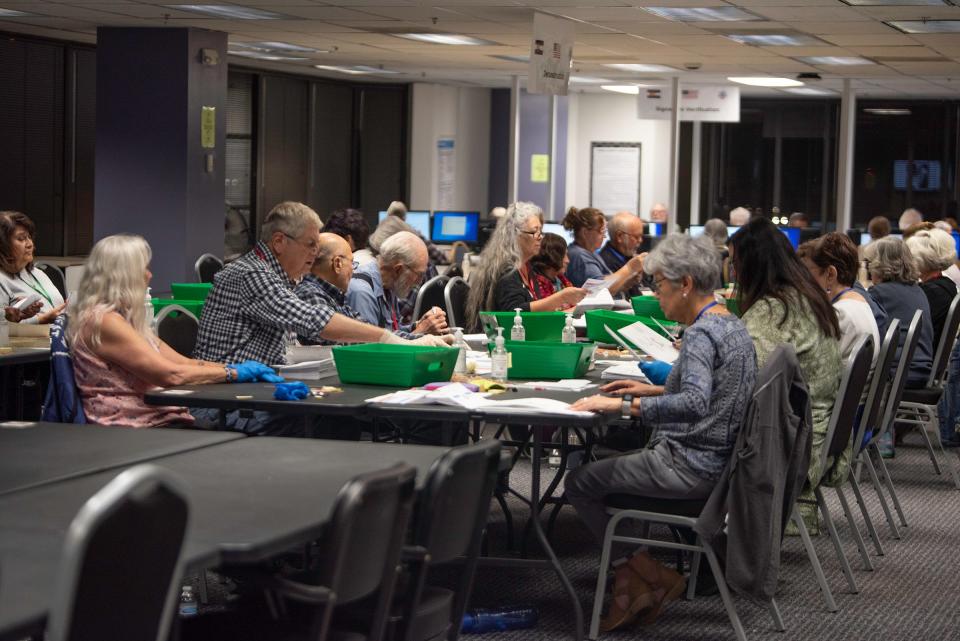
{"type": "Point", "coordinates": [121, 561]}
{"type": "Point", "coordinates": [56, 276]}
{"type": "Point", "coordinates": [429, 296]}
{"type": "Point", "coordinates": [207, 267]}
{"type": "Point", "coordinates": [455, 296]}
{"type": "Point", "coordinates": [178, 328]}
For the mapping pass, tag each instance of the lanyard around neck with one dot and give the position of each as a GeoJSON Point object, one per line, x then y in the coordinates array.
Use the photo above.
{"type": "Point", "coordinates": [704, 311]}
{"type": "Point", "coordinates": [841, 293]}
{"type": "Point", "coordinates": [37, 287]}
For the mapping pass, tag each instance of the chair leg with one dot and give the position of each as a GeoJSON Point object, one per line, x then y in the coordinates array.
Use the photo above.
{"type": "Point", "coordinates": [835, 539]}
{"type": "Point", "coordinates": [872, 471]}
{"type": "Point", "coordinates": [694, 571]}
{"type": "Point", "coordinates": [888, 481]}
{"type": "Point", "coordinates": [601, 579]}
{"type": "Point", "coordinates": [775, 615]}
{"type": "Point", "coordinates": [507, 518]}
{"type": "Point", "coordinates": [204, 598]}
{"type": "Point", "coordinates": [724, 592]}
{"type": "Point", "coordinates": [946, 457]}
{"type": "Point", "coordinates": [924, 422]}
{"type": "Point", "coordinates": [858, 539]}
{"type": "Point", "coordinates": [814, 561]}
{"type": "Point", "coordinates": [871, 530]}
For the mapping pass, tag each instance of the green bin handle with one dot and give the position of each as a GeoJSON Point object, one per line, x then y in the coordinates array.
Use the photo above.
{"type": "Point", "coordinates": [434, 366]}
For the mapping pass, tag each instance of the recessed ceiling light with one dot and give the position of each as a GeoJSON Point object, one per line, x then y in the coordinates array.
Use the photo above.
{"type": "Point", "coordinates": [703, 14]}
{"type": "Point", "coordinates": [588, 80]}
{"type": "Point", "coordinates": [265, 56]}
{"type": "Point", "coordinates": [775, 39]}
{"type": "Point", "coordinates": [765, 81]}
{"type": "Point", "coordinates": [881, 3]}
{"type": "Point", "coordinates": [809, 91]}
{"type": "Point", "coordinates": [228, 11]}
{"type": "Point", "coordinates": [11, 13]}
{"type": "Point", "coordinates": [274, 46]}
{"type": "Point", "coordinates": [445, 39]}
{"type": "Point", "coordinates": [642, 68]}
{"type": "Point", "coordinates": [926, 26]}
{"type": "Point", "coordinates": [523, 59]}
{"type": "Point", "coordinates": [887, 112]}
{"type": "Point", "coordinates": [355, 70]}
{"type": "Point", "coordinates": [835, 61]}
{"type": "Point", "coordinates": [628, 89]}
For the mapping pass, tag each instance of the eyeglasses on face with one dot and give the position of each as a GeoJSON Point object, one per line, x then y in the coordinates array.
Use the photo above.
{"type": "Point", "coordinates": [536, 233]}
{"type": "Point", "coordinates": [313, 246]}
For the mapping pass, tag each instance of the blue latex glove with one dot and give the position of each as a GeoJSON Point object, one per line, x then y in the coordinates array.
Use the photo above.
{"type": "Point", "coordinates": [295, 391]}
{"type": "Point", "coordinates": [656, 371]}
{"type": "Point", "coordinates": [251, 371]}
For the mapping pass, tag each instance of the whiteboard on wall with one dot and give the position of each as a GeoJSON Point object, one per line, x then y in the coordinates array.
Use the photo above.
{"type": "Point", "coordinates": [615, 176]}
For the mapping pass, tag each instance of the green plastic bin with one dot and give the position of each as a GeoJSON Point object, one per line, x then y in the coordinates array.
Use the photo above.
{"type": "Point", "coordinates": [192, 306]}
{"type": "Point", "coordinates": [647, 306]}
{"type": "Point", "coordinates": [191, 291]}
{"type": "Point", "coordinates": [733, 307]}
{"type": "Point", "coordinates": [597, 318]}
{"type": "Point", "coordinates": [539, 326]}
{"type": "Point", "coordinates": [548, 360]}
{"type": "Point", "coordinates": [394, 365]}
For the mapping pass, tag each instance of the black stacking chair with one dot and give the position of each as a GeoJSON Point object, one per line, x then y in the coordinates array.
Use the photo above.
{"type": "Point", "coordinates": [207, 267]}
{"type": "Point", "coordinates": [429, 296]}
{"type": "Point", "coordinates": [178, 328]}
{"type": "Point", "coordinates": [55, 274]}
{"type": "Point", "coordinates": [919, 406]}
{"type": "Point", "coordinates": [121, 561]}
{"type": "Point", "coordinates": [455, 295]}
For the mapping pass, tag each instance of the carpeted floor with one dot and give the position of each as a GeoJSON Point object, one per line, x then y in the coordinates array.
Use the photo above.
{"type": "Point", "coordinates": [914, 593]}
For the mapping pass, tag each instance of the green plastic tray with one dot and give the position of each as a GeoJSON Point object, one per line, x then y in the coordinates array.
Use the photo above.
{"type": "Point", "coordinates": [733, 307]}
{"type": "Point", "coordinates": [539, 326]}
{"type": "Point", "coordinates": [191, 291]}
{"type": "Point", "coordinates": [192, 306]}
{"type": "Point", "coordinates": [548, 360]}
{"type": "Point", "coordinates": [647, 306]}
{"type": "Point", "coordinates": [597, 318]}
{"type": "Point", "coordinates": [395, 365]}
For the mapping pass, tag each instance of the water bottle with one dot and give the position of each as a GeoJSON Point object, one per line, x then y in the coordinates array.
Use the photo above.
{"type": "Point", "coordinates": [290, 342]}
{"type": "Point", "coordinates": [500, 359]}
{"type": "Point", "coordinates": [483, 620]}
{"type": "Point", "coordinates": [4, 331]}
{"type": "Point", "coordinates": [148, 310]}
{"type": "Point", "coordinates": [461, 345]}
{"type": "Point", "coordinates": [188, 602]}
{"type": "Point", "coordinates": [569, 334]}
{"type": "Point", "coordinates": [517, 333]}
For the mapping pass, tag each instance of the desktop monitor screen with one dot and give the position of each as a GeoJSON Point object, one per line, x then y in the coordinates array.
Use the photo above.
{"type": "Point", "coordinates": [419, 220]}
{"type": "Point", "coordinates": [924, 174]}
{"type": "Point", "coordinates": [557, 228]}
{"type": "Point", "coordinates": [451, 226]}
{"type": "Point", "coordinates": [793, 235]}
{"type": "Point", "coordinates": [697, 230]}
{"type": "Point", "coordinates": [956, 241]}
{"type": "Point", "coordinates": [655, 229]}
{"type": "Point", "coordinates": [865, 238]}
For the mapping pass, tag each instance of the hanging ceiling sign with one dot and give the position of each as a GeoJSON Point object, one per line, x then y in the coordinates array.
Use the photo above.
{"type": "Point", "coordinates": [697, 103]}
{"type": "Point", "coordinates": [550, 54]}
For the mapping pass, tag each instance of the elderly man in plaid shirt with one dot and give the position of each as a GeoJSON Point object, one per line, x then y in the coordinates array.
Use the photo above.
{"type": "Point", "coordinates": [252, 307]}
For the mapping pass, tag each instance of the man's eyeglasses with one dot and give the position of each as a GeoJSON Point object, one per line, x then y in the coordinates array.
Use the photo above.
{"type": "Point", "coordinates": [536, 233]}
{"type": "Point", "coordinates": [636, 237]}
{"type": "Point", "coordinates": [312, 246]}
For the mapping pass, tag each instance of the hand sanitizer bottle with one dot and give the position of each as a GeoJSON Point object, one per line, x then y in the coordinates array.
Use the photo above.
{"type": "Point", "coordinates": [517, 333]}
{"type": "Point", "coordinates": [500, 359]}
{"type": "Point", "coordinates": [148, 310]}
{"type": "Point", "coordinates": [461, 344]}
{"type": "Point", "coordinates": [569, 334]}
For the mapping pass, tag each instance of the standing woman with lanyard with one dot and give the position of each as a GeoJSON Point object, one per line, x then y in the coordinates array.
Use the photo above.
{"type": "Point", "coordinates": [19, 278]}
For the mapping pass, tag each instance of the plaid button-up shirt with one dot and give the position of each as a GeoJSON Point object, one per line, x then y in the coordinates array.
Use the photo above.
{"type": "Point", "coordinates": [251, 306]}
{"type": "Point", "coordinates": [320, 293]}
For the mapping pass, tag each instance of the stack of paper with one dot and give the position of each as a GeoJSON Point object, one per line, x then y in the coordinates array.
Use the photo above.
{"type": "Point", "coordinates": [628, 370]}
{"type": "Point", "coordinates": [563, 385]}
{"type": "Point", "coordinates": [600, 299]}
{"type": "Point", "coordinates": [309, 370]}
{"type": "Point", "coordinates": [459, 395]}
{"type": "Point", "coordinates": [650, 342]}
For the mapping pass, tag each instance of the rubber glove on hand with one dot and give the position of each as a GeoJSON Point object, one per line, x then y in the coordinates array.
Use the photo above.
{"type": "Point", "coordinates": [656, 371]}
{"type": "Point", "coordinates": [429, 340]}
{"type": "Point", "coordinates": [295, 391]}
{"type": "Point", "coordinates": [251, 371]}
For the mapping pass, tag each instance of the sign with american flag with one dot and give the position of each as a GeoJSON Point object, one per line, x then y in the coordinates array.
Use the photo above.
{"type": "Point", "coordinates": [699, 103]}
{"type": "Point", "coordinates": [551, 52]}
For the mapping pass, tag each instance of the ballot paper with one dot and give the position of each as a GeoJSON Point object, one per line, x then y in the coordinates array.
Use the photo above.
{"type": "Point", "coordinates": [563, 385]}
{"type": "Point", "coordinates": [459, 395]}
{"type": "Point", "coordinates": [629, 370]}
{"type": "Point", "coordinates": [650, 342]}
{"type": "Point", "coordinates": [303, 353]}
{"type": "Point", "coordinates": [309, 370]}
{"type": "Point", "coordinates": [600, 299]}
{"type": "Point", "coordinates": [594, 285]}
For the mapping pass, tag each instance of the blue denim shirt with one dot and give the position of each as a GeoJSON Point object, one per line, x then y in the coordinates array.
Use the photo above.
{"type": "Point", "coordinates": [584, 265]}
{"type": "Point", "coordinates": [375, 305]}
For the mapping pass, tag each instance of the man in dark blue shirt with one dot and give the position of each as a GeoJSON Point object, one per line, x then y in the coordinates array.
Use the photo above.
{"type": "Point", "coordinates": [625, 232]}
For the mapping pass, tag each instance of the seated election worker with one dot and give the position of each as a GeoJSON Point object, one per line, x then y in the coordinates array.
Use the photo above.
{"type": "Point", "coordinates": [117, 357]}
{"type": "Point", "coordinates": [695, 417]}
{"type": "Point", "coordinates": [589, 229]}
{"type": "Point", "coordinates": [19, 278]}
{"type": "Point", "coordinates": [327, 282]}
{"type": "Point", "coordinates": [549, 266]}
{"type": "Point", "coordinates": [626, 235]}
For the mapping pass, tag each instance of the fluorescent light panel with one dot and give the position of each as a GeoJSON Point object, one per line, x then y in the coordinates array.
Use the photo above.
{"type": "Point", "coordinates": [588, 80]}
{"type": "Point", "coordinates": [523, 59]}
{"type": "Point", "coordinates": [274, 46]}
{"type": "Point", "coordinates": [775, 39]}
{"type": "Point", "coordinates": [354, 70]}
{"type": "Point", "coordinates": [835, 61]}
{"type": "Point", "coordinates": [642, 68]}
{"type": "Point", "coordinates": [926, 26]}
{"type": "Point", "coordinates": [228, 11]}
{"type": "Point", "coordinates": [894, 3]}
{"type": "Point", "coordinates": [765, 81]}
{"type": "Point", "coordinates": [446, 39]}
{"type": "Point", "coordinates": [633, 90]}
{"type": "Point", "coordinates": [11, 13]}
{"type": "Point", "coordinates": [256, 55]}
{"type": "Point", "coordinates": [809, 91]}
{"type": "Point", "coordinates": [887, 112]}
{"type": "Point", "coordinates": [703, 14]}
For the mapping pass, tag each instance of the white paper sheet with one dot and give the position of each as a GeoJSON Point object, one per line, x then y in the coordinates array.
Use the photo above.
{"type": "Point", "coordinates": [650, 342]}
{"type": "Point", "coordinates": [601, 299]}
{"type": "Point", "coordinates": [628, 370]}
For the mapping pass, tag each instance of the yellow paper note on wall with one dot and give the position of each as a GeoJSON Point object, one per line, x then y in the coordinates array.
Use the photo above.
{"type": "Point", "coordinates": [208, 127]}
{"type": "Point", "coordinates": [539, 168]}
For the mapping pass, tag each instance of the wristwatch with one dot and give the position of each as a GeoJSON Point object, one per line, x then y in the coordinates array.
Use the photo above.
{"type": "Point", "coordinates": [625, 405]}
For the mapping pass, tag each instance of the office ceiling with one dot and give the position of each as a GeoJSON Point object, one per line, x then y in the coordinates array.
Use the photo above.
{"type": "Point", "coordinates": [361, 32]}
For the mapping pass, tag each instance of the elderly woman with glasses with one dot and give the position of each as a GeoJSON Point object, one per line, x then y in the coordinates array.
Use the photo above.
{"type": "Point", "coordinates": [695, 415]}
{"type": "Point", "coordinates": [504, 280]}
{"type": "Point", "coordinates": [589, 227]}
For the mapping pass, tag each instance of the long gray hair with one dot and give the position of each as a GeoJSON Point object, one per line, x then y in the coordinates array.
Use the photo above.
{"type": "Point", "coordinates": [501, 254]}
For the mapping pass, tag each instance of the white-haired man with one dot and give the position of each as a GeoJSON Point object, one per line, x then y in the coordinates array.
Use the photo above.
{"type": "Point", "coordinates": [909, 218]}
{"type": "Point", "coordinates": [659, 213]}
{"type": "Point", "coordinates": [739, 217]}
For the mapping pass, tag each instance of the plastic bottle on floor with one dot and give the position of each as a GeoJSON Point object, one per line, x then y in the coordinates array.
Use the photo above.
{"type": "Point", "coordinates": [482, 620]}
{"type": "Point", "coordinates": [188, 602]}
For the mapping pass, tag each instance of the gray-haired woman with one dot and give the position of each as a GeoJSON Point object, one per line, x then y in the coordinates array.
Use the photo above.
{"type": "Point", "coordinates": [696, 415]}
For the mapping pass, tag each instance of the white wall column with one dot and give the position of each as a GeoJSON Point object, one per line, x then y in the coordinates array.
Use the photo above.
{"type": "Point", "coordinates": [551, 155]}
{"type": "Point", "coordinates": [514, 163]}
{"type": "Point", "coordinates": [848, 122]}
{"type": "Point", "coordinates": [695, 153]}
{"type": "Point", "coordinates": [674, 153]}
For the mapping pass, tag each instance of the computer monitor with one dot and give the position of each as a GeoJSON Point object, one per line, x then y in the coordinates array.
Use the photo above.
{"type": "Point", "coordinates": [419, 220]}
{"type": "Point", "coordinates": [655, 229]}
{"type": "Point", "coordinates": [866, 239]}
{"type": "Point", "coordinates": [956, 241]}
{"type": "Point", "coordinates": [451, 226]}
{"type": "Point", "coordinates": [924, 175]}
{"type": "Point", "coordinates": [793, 235]}
{"type": "Point", "coordinates": [697, 230]}
{"type": "Point", "coordinates": [557, 228]}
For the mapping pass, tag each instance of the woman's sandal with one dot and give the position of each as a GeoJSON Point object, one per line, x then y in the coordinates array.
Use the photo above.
{"type": "Point", "coordinates": [631, 597]}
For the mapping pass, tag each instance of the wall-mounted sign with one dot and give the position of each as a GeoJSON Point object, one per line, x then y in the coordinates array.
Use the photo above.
{"type": "Point", "coordinates": [550, 53]}
{"type": "Point", "coordinates": [615, 176]}
{"type": "Point", "coordinates": [539, 168]}
{"type": "Point", "coordinates": [208, 127]}
{"type": "Point", "coordinates": [446, 172]}
{"type": "Point", "coordinates": [697, 103]}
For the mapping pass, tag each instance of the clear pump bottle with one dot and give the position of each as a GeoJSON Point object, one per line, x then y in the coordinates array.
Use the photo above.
{"type": "Point", "coordinates": [517, 332]}
{"type": "Point", "coordinates": [569, 334]}
{"type": "Point", "coordinates": [500, 359]}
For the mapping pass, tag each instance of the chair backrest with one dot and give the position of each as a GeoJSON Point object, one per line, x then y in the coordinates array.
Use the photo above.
{"type": "Point", "coordinates": [429, 296]}
{"type": "Point", "coordinates": [63, 402]}
{"type": "Point", "coordinates": [366, 532]}
{"type": "Point", "coordinates": [179, 331]}
{"type": "Point", "coordinates": [900, 375]}
{"type": "Point", "coordinates": [458, 250]}
{"type": "Point", "coordinates": [56, 276]}
{"type": "Point", "coordinates": [206, 267]}
{"type": "Point", "coordinates": [121, 561]}
{"type": "Point", "coordinates": [945, 347]}
{"type": "Point", "coordinates": [880, 382]}
{"type": "Point", "coordinates": [856, 372]}
{"type": "Point", "coordinates": [455, 295]}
